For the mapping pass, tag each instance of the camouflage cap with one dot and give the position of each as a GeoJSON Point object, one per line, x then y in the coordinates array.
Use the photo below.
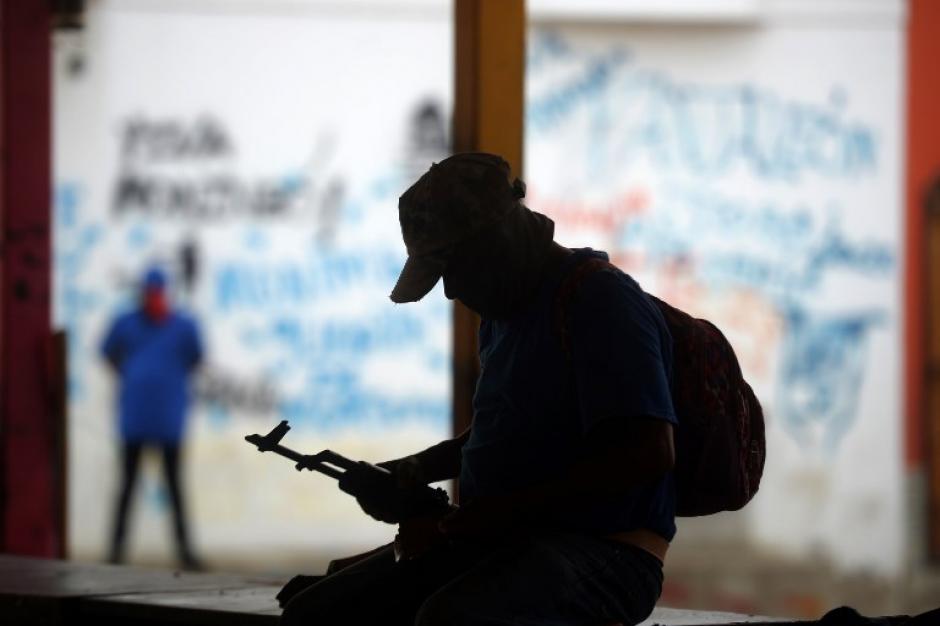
{"type": "Point", "coordinates": [454, 199]}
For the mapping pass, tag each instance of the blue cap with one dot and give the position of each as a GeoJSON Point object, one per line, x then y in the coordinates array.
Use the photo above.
{"type": "Point", "coordinates": [155, 277]}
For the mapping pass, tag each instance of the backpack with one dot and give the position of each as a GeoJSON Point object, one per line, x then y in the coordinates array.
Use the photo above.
{"type": "Point", "coordinates": [720, 447]}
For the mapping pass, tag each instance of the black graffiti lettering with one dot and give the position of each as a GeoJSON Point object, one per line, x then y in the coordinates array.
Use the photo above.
{"type": "Point", "coordinates": [145, 140]}
{"type": "Point", "coordinates": [202, 199]}
{"type": "Point", "coordinates": [178, 170]}
{"type": "Point", "coordinates": [427, 139]}
{"type": "Point", "coordinates": [427, 129]}
{"type": "Point", "coordinates": [221, 389]}
{"type": "Point", "coordinates": [329, 211]}
{"type": "Point", "coordinates": [132, 191]}
{"type": "Point", "coordinates": [189, 264]}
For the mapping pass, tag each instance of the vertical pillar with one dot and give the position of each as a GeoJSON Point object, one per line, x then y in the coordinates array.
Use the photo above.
{"type": "Point", "coordinates": [488, 117]}
{"type": "Point", "coordinates": [922, 245]}
{"type": "Point", "coordinates": [29, 499]}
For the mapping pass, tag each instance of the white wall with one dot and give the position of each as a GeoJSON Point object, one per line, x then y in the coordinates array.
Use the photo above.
{"type": "Point", "coordinates": [750, 173]}
{"type": "Point", "coordinates": [741, 158]}
{"type": "Point", "coordinates": [276, 143]}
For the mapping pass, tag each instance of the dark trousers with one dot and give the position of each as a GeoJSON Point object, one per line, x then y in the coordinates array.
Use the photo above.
{"type": "Point", "coordinates": [130, 463]}
{"type": "Point", "coordinates": [546, 578]}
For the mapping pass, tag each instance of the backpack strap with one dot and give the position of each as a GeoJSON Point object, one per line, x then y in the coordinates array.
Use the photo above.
{"type": "Point", "coordinates": [565, 294]}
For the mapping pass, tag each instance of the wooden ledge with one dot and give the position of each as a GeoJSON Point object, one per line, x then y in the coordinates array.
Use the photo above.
{"type": "Point", "coordinates": [41, 591]}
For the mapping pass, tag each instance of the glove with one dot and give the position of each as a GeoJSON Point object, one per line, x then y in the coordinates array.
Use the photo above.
{"type": "Point", "coordinates": [407, 473]}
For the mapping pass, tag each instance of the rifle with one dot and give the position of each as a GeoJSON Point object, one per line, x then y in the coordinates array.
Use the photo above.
{"type": "Point", "coordinates": [368, 483]}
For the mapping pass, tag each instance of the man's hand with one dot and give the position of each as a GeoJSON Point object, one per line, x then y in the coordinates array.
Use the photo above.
{"type": "Point", "coordinates": [374, 508]}
{"type": "Point", "coordinates": [408, 475]}
{"type": "Point", "coordinates": [437, 463]}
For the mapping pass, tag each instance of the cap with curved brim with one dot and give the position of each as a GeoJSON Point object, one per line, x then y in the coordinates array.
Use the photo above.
{"type": "Point", "coordinates": [417, 278]}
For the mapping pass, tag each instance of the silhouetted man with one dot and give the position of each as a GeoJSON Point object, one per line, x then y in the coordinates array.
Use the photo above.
{"type": "Point", "coordinates": [153, 350]}
{"type": "Point", "coordinates": [567, 495]}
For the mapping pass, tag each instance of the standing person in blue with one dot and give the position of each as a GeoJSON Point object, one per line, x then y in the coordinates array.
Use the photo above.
{"type": "Point", "coordinates": [566, 487]}
{"type": "Point", "coordinates": [153, 350]}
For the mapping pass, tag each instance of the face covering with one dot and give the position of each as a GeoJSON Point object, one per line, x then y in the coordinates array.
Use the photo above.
{"type": "Point", "coordinates": [498, 271]}
{"type": "Point", "coordinates": [155, 305]}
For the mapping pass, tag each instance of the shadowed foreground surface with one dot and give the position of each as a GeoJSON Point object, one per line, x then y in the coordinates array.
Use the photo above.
{"type": "Point", "coordinates": [39, 591]}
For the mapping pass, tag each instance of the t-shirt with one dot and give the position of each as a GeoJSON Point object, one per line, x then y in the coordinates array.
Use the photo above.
{"type": "Point", "coordinates": [534, 405]}
{"type": "Point", "coordinates": [154, 361]}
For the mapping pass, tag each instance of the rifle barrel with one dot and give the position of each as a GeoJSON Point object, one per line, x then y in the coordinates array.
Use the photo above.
{"type": "Point", "coordinates": [297, 457]}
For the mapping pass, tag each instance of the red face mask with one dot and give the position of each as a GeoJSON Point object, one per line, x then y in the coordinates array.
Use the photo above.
{"type": "Point", "coordinates": [156, 306]}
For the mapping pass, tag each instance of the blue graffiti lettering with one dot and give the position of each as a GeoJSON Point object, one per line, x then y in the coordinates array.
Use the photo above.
{"type": "Point", "coordinates": [242, 285]}
{"type": "Point", "coordinates": [707, 130]}
{"type": "Point", "coordinates": [785, 252]}
{"type": "Point", "coordinates": [821, 372]}
{"type": "Point", "coordinates": [551, 108]}
{"type": "Point", "coordinates": [337, 336]}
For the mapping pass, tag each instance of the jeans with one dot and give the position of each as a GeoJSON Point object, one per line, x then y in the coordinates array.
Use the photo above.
{"type": "Point", "coordinates": [547, 578]}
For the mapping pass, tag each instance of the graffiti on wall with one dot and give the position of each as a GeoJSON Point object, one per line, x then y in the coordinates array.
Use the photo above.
{"type": "Point", "coordinates": [727, 199]}
{"type": "Point", "coordinates": [631, 113]}
{"type": "Point", "coordinates": [286, 301]}
{"type": "Point", "coordinates": [184, 169]}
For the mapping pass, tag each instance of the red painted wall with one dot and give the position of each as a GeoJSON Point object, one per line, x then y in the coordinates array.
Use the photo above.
{"type": "Point", "coordinates": [31, 515]}
{"type": "Point", "coordinates": [923, 163]}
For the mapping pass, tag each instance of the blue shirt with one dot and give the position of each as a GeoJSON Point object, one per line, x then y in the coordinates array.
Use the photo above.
{"type": "Point", "coordinates": [534, 405]}
{"type": "Point", "coordinates": [154, 361]}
